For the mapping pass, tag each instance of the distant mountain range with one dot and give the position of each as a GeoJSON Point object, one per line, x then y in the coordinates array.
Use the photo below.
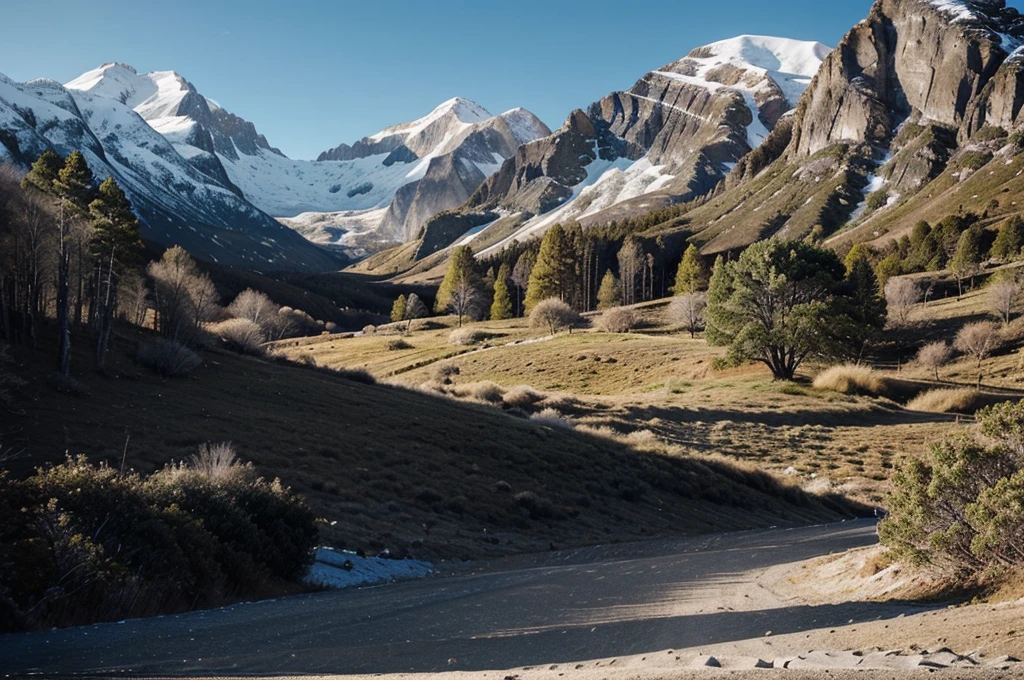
{"type": "Point", "coordinates": [763, 136]}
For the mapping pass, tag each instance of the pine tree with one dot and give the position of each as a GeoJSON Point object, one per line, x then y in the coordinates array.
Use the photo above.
{"type": "Point", "coordinates": [718, 294]}
{"type": "Point", "coordinates": [398, 309]}
{"type": "Point", "coordinates": [858, 253]}
{"type": "Point", "coordinates": [74, 183]}
{"type": "Point", "coordinates": [552, 275]}
{"type": "Point", "coordinates": [1010, 239]}
{"type": "Point", "coordinates": [692, 275]}
{"type": "Point", "coordinates": [115, 245]}
{"type": "Point", "coordinates": [44, 172]}
{"type": "Point", "coordinates": [521, 277]}
{"type": "Point", "coordinates": [461, 270]}
{"type": "Point", "coordinates": [609, 295]}
{"type": "Point", "coordinates": [967, 260]}
{"type": "Point", "coordinates": [501, 308]}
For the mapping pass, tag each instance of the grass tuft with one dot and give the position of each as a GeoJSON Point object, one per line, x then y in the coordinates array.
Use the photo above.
{"type": "Point", "coordinates": [964, 400]}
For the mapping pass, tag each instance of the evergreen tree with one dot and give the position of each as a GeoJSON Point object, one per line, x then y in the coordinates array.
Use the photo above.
{"type": "Point", "coordinates": [693, 275]}
{"type": "Point", "coordinates": [860, 252]}
{"type": "Point", "coordinates": [501, 307]}
{"type": "Point", "coordinates": [781, 303]}
{"type": "Point", "coordinates": [888, 267]}
{"type": "Point", "coordinates": [609, 295]}
{"type": "Point", "coordinates": [74, 183]}
{"type": "Point", "coordinates": [115, 246]}
{"type": "Point", "coordinates": [966, 262]}
{"type": "Point", "coordinates": [553, 273]}
{"type": "Point", "coordinates": [398, 309]}
{"type": "Point", "coordinates": [44, 173]}
{"type": "Point", "coordinates": [863, 307]}
{"type": "Point", "coordinates": [521, 277]}
{"type": "Point", "coordinates": [1010, 239]}
{"type": "Point", "coordinates": [461, 273]}
{"type": "Point", "coordinates": [718, 293]}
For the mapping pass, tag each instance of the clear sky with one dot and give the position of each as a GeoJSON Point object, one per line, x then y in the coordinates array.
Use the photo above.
{"type": "Point", "coordinates": [313, 73]}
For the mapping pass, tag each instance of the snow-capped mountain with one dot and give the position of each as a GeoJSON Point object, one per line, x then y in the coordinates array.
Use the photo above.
{"type": "Point", "coordinates": [177, 202]}
{"type": "Point", "coordinates": [352, 184]}
{"type": "Point", "coordinates": [673, 136]}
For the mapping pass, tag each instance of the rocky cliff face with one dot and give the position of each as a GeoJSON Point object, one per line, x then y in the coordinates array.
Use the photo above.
{"type": "Point", "coordinates": [893, 105]}
{"type": "Point", "coordinates": [672, 137]}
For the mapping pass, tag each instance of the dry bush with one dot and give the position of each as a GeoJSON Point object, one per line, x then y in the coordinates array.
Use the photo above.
{"type": "Point", "coordinates": [397, 345]}
{"type": "Point", "coordinates": [551, 418]}
{"type": "Point", "coordinates": [852, 379]}
{"type": "Point", "coordinates": [957, 400]}
{"type": "Point", "coordinates": [901, 296]}
{"type": "Point", "coordinates": [241, 335]}
{"type": "Point", "coordinates": [619, 320]}
{"type": "Point", "coordinates": [217, 462]}
{"type": "Point", "coordinates": [466, 336]}
{"type": "Point", "coordinates": [369, 330]}
{"type": "Point", "coordinates": [444, 372]}
{"type": "Point", "coordinates": [168, 358]}
{"type": "Point", "coordinates": [554, 315]}
{"type": "Point", "coordinates": [522, 396]}
{"type": "Point", "coordinates": [488, 392]}
{"type": "Point", "coordinates": [359, 375]}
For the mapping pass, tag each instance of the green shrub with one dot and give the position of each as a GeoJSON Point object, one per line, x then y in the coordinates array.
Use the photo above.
{"type": "Point", "coordinates": [877, 199]}
{"type": "Point", "coordinates": [960, 508]}
{"type": "Point", "coordinates": [94, 543]}
{"type": "Point", "coordinates": [973, 160]}
{"type": "Point", "coordinates": [989, 133]}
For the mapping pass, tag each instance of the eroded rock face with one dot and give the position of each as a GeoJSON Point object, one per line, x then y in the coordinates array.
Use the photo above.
{"type": "Point", "coordinates": [916, 60]}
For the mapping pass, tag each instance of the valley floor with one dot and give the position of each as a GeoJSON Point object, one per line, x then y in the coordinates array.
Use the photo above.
{"type": "Point", "coordinates": [646, 611]}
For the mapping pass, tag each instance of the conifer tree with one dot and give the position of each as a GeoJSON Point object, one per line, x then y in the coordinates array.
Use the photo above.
{"type": "Point", "coordinates": [553, 273]}
{"type": "Point", "coordinates": [115, 245]}
{"type": "Point", "coordinates": [1010, 239]}
{"type": "Point", "coordinates": [719, 289]}
{"type": "Point", "coordinates": [966, 262]}
{"type": "Point", "coordinates": [398, 309]}
{"type": "Point", "coordinates": [44, 172]}
{"type": "Point", "coordinates": [521, 277]}
{"type": "Point", "coordinates": [461, 273]}
{"type": "Point", "coordinates": [501, 308]}
{"type": "Point", "coordinates": [692, 275]}
{"type": "Point", "coordinates": [609, 295]}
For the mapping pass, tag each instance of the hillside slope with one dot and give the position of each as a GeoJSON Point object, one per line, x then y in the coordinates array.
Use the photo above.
{"type": "Point", "coordinates": [396, 468]}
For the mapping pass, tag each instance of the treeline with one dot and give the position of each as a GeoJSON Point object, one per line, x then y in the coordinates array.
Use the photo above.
{"type": "Point", "coordinates": [72, 261]}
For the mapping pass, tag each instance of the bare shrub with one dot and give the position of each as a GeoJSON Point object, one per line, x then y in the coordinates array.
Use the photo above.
{"type": "Point", "coordinates": [444, 372]}
{"type": "Point", "coordinates": [553, 314]}
{"type": "Point", "coordinates": [959, 400]}
{"type": "Point", "coordinates": [466, 336]}
{"type": "Point", "coordinates": [852, 379]}
{"type": "Point", "coordinates": [398, 345]}
{"type": "Point", "coordinates": [241, 335]}
{"type": "Point", "coordinates": [217, 462]}
{"type": "Point", "coordinates": [549, 417]}
{"type": "Point", "coordinates": [934, 356]}
{"type": "Point", "coordinates": [901, 297]}
{"type": "Point", "coordinates": [359, 375]}
{"type": "Point", "coordinates": [487, 391]}
{"type": "Point", "coordinates": [369, 330]}
{"type": "Point", "coordinates": [689, 311]}
{"type": "Point", "coordinates": [619, 320]}
{"type": "Point", "coordinates": [979, 340]}
{"type": "Point", "coordinates": [522, 396]}
{"type": "Point", "coordinates": [167, 357]}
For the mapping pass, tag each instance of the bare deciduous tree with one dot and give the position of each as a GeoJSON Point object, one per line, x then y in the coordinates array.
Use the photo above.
{"type": "Point", "coordinates": [619, 320]}
{"type": "Point", "coordinates": [1003, 297]}
{"type": "Point", "coordinates": [133, 298]}
{"type": "Point", "coordinates": [901, 296]}
{"type": "Point", "coordinates": [688, 311]}
{"type": "Point", "coordinates": [465, 299]}
{"type": "Point", "coordinates": [184, 296]}
{"type": "Point", "coordinates": [934, 356]}
{"type": "Point", "coordinates": [979, 340]}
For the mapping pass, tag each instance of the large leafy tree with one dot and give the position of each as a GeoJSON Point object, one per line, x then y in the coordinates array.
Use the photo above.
{"type": "Point", "coordinates": [781, 303]}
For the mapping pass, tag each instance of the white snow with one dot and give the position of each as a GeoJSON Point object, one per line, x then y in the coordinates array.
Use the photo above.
{"type": "Point", "coordinates": [607, 183]}
{"type": "Point", "coordinates": [329, 569]}
{"type": "Point", "coordinates": [463, 110]}
{"type": "Point", "coordinates": [954, 8]}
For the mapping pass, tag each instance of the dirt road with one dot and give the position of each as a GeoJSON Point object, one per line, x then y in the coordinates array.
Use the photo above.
{"type": "Point", "coordinates": [558, 608]}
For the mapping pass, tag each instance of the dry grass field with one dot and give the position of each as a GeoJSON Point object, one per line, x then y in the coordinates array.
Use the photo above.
{"type": "Point", "coordinates": [657, 388]}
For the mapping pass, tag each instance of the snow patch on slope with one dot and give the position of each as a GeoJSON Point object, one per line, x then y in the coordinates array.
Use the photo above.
{"type": "Point", "coordinates": [342, 569]}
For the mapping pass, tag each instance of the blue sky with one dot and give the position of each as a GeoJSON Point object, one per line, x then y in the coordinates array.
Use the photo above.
{"type": "Point", "coordinates": [311, 74]}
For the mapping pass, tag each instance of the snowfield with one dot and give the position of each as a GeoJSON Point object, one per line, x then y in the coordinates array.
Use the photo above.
{"type": "Point", "coordinates": [343, 569]}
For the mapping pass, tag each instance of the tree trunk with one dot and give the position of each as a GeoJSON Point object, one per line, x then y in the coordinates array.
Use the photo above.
{"type": "Point", "coordinates": [63, 285]}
